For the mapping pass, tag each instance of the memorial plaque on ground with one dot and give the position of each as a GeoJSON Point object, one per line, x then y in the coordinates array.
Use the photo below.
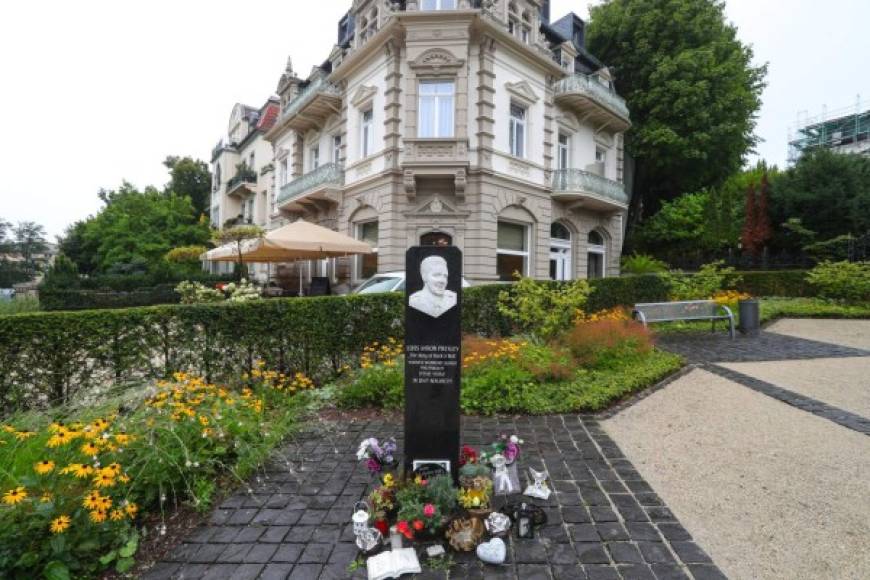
{"type": "Point", "coordinates": [432, 356]}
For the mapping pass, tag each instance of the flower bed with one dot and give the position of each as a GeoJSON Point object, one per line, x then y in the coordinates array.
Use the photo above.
{"type": "Point", "coordinates": [73, 490]}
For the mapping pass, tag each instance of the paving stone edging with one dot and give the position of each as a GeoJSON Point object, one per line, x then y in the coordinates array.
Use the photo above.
{"type": "Point", "coordinates": [604, 520]}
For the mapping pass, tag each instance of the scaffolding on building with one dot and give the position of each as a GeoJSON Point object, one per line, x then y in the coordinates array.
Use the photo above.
{"type": "Point", "coordinates": [844, 130]}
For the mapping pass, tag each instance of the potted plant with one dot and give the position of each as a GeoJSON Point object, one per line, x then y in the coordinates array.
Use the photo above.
{"type": "Point", "coordinates": [379, 456]}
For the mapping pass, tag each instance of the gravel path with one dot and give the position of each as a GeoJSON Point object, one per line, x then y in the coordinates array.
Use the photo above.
{"type": "Point", "coordinates": [842, 383]}
{"type": "Point", "coordinates": [768, 490]}
{"type": "Point", "coordinates": [853, 333]}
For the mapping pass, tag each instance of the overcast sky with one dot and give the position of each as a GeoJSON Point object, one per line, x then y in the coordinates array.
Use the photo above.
{"type": "Point", "coordinates": [97, 91]}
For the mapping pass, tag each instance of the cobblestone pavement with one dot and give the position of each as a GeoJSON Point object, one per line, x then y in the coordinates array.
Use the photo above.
{"type": "Point", "coordinates": [705, 351]}
{"type": "Point", "coordinates": [604, 520]}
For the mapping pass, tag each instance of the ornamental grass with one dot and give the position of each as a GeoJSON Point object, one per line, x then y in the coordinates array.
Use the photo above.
{"type": "Point", "coordinates": [73, 492]}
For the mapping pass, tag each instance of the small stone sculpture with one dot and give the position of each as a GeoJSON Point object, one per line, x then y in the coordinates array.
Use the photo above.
{"type": "Point", "coordinates": [493, 551]}
{"type": "Point", "coordinates": [497, 524]}
{"type": "Point", "coordinates": [539, 488]}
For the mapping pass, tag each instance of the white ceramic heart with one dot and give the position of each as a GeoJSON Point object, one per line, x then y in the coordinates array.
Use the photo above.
{"type": "Point", "coordinates": [493, 551]}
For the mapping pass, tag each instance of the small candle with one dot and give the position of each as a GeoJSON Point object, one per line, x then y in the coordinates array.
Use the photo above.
{"type": "Point", "coordinates": [395, 539]}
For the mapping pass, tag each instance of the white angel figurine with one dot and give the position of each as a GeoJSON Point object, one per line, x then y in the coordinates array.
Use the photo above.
{"type": "Point", "coordinates": [539, 488]}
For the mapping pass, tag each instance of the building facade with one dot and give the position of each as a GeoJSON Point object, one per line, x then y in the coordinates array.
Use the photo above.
{"type": "Point", "coordinates": [477, 124]}
{"type": "Point", "coordinates": [841, 131]}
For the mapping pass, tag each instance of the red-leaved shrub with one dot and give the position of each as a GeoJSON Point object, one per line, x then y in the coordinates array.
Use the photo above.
{"type": "Point", "coordinates": [607, 343]}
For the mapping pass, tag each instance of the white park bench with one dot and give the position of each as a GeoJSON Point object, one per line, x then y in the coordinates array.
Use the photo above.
{"type": "Point", "coordinates": [686, 310]}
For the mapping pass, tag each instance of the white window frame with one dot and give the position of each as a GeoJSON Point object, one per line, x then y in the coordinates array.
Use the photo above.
{"type": "Point", "coordinates": [367, 135]}
{"type": "Point", "coordinates": [284, 172]}
{"type": "Point", "coordinates": [336, 149]}
{"type": "Point", "coordinates": [438, 5]}
{"type": "Point", "coordinates": [600, 154]}
{"type": "Point", "coordinates": [598, 249]}
{"type": "Point", "coordinates": [527, 255]}
{"type": "Point", "coordinates": [358, 263]}
{"type": "Point", "coordinates": [436, 99]}
{"type": "Point", "coordinates": [314, 157]}
{"type": "Point", "coordinates": [564, 151]}
{"type": "Point", "coordinates": [518, 145]}
{"type": "Point", "coordinates": [564, 248]}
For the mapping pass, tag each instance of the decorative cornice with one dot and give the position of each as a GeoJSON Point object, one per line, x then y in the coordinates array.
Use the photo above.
{"type": "Point", "coordinates": [523, 91]}
{"type": "Point", "coordinates": [363, 96]}
{"type": "Point", "coordinates": [436, 61]}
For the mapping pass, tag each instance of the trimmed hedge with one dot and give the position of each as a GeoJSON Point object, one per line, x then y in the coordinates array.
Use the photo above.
{"type": "Point", "coordinates": [64, 299]}
{"type": "Point", "coordinates": [786, 283]}
{"type": "Point", "coordinates": [117, 291]}
{"type": "Point", "coordinates": [47, 357]}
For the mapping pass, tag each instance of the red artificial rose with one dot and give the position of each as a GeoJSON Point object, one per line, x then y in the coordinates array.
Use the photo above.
{"type": "Point", "coordinates": [402, 526]}
{"type": "Point", "coordinates": [383, 526]}
{"type": "Point", "coordinates": [418, 525]}
{"type": "Point", "coordinates": [467, 455]}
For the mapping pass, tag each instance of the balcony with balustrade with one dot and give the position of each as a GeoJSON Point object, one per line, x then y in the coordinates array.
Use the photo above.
{"type": "Point", "coordinates": [317, 187]}
{"type": "Point", "coordinates": [312, 106]}
{"type": "Point", "coordinates": [592, 99]}
{"type": "Point", "coordinates": [589, 190]}
{"type": "Point", "coordinates": [244, 183]}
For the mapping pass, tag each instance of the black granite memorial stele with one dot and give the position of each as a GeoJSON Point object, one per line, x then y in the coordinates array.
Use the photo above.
{"type": "Point", "coordinates": [433, 357]}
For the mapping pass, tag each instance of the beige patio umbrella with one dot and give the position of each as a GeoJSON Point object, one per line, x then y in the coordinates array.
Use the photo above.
{"type": "Point", "coordinates": [299, 240]}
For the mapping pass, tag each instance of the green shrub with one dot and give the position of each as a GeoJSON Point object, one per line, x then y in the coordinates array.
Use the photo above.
{"type": "Point", "coordinates": [51, 356]}
{"type": "Point", "coordinates": [541, 309]}
{"type": "Point", "coordinates": [480, 312]}
{"type": "Point", "coordinates": [85, 482]}
{"type": "Point", "coordinates": [642, 264]}
{"type": "Point", "coordinates": [608, 293]}
{"type": "Point", "coordinates": [775, 283]}
{"type": "Point", "coordinates": [379, 386]}
{"type": "Point", "coordinates": [702, 285]}
{"type": "Point", "coordinates": [19, 305]}
{"type": "Point", "coordinates": [848, 281]}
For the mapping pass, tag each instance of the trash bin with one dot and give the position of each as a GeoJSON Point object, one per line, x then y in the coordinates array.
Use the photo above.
{"type": "Point", "coordinates": [750, 317]}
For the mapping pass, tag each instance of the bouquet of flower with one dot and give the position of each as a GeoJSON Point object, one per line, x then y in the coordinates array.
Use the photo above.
{"type": "Point", "coordinates": [509, 446]}
{"type": "Point", "coordinates": [377, 455]}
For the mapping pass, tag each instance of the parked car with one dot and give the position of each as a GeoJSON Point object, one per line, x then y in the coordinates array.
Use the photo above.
{"type": "Point", "coordinates": [389, 282]}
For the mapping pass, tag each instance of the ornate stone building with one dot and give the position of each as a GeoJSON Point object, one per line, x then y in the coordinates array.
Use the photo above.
{"type": "Point", "coordinates": [478, 124]}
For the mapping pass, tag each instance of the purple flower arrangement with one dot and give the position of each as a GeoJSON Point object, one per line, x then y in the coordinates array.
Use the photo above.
{"type": "Point", "coordinates": [376, 454]}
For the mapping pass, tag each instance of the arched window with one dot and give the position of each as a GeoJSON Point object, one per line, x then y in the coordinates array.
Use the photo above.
{"type": "Point", "coordinates": [595, 255]}
{"type": "Point", "coordinates": [436, 239]}
{"type": "Point", "coordinates": [560, 252]}
{"type": "Point", "coordinates": [559, 232]}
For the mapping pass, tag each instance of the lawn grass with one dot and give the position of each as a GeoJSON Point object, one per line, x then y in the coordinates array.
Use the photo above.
{"type": "Point", "coordinates": [19, 305]}
{"type": "Point", "coordinates": [775, 308]}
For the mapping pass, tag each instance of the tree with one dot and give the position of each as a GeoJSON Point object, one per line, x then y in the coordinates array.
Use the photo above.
{"type": "Point", "coordinates": [829, 192]}
{"type": "Point", "coordinates": [192, 178]}
{"type": "Point", "coordinates": [29, 240]}
{"type": "Point", "coordinates": [134, 230]}
{"type": "Point", "coordinates": [750, 219]}
{"type": "Point", "coordinates": [236, 235]}
{"type": "Point", "coordinates": [691, 88]}
{"type": "Point", "coordinates": [5, 241]}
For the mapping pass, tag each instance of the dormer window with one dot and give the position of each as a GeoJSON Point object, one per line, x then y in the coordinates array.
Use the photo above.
{"type": "Point", "coordinates": [439, 5]}
{"type": "Point", "coordinates": [526, 30]}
